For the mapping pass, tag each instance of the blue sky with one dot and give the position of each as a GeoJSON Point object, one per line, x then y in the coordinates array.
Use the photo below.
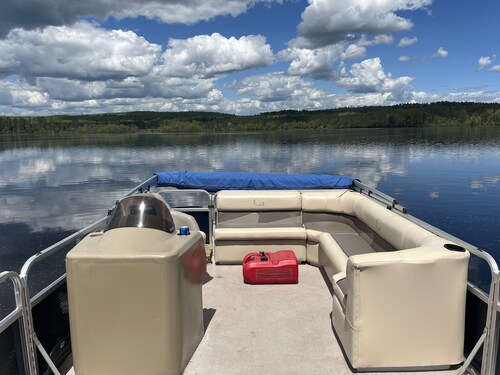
{"type": "Point", "coordinates": [244, 56]}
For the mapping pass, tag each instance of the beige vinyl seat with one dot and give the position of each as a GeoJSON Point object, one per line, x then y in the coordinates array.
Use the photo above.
{"type": "Point", "coordinates": [398, 290]}
{"type": "Point", "coordinates": [403, 308]}
{"type": "Point", "coordinates": [249, 221]}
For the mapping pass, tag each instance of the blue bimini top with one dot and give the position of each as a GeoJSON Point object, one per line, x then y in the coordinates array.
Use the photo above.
{"type": "Point", "coordinates": [215, 181]}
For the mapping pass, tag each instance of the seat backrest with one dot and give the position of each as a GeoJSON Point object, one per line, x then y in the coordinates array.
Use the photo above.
{"type": "Point", "coordinates": [255, 209]}
{"type": "Point", "coordinates": [399, 232]}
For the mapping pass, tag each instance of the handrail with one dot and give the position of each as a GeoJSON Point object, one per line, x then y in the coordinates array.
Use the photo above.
{"type": "Point", "coordinates": [31, 342]}
{"type": "Point", "coordinates": [19, 312]}
{"type": "Point", "coordinates": [490, 340]}
{"type": "Point", "coordinates": [378, 195]}
{"type": "Point", "coordinates": [75, 236]}
{"type": "Point", "coordinates": [384, 198]}
{"type": "Point", "coordinates": [38, 257]}
{"type": "Point", "coordinates": [14, 277]}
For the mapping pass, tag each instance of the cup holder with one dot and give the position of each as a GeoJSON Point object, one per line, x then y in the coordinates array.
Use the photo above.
{"type": "Point", "coordinates": [453, 247]}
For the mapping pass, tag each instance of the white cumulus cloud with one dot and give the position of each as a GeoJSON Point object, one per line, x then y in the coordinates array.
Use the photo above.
{"type": "Point", "coordinates": [86, 66]}
{"type": "Point", "coordinates": [405, 42]}
{"type": "Point", "coordinates": [209, 55]}
{"type": "Point", "coordinates": [280, 87]}
{"type": "Point", "coordinates": [441, 52]}
{"type": "Point", "coordinates": [83, 51]}
{"type": "Point", "coordinates": [327, 22]}
{"type": "Point", "coordinates": [404, 58]}
{"type": "Point", "coordinates": [368, 76]}
{"type": "Point", "coordinates": [378, 39]}
{"type": "Point", "coordinates": [317, 63]}
{"type": "Point", "coordinates": [22, 95]}
{"type": "Point", "coordinates": [485, 61]}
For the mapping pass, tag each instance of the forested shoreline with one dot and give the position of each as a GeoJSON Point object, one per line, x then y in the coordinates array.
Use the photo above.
{"type": "Point", "coordinates": [442, 114]}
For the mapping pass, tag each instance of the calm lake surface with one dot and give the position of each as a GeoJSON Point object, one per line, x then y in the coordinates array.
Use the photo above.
{"type": "Point", "coordinates": [50, 187]}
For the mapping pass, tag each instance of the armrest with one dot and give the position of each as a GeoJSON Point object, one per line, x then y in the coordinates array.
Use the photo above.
{"type": "Point", "coordinates": [340, 288]}
{"type": "Point", "coordinates": [331, 255]}
{"type": "Point", "coordinates": [411, 300]}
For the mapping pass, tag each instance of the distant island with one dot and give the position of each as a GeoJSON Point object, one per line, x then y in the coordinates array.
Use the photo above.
{"type": "Point", "coordinates": [441, 114]}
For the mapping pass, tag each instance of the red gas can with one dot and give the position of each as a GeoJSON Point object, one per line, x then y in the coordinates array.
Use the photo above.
{"type": "Point", "coordinates": [280, 267]}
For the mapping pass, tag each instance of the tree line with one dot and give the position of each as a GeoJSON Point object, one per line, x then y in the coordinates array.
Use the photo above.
{"type": "Point", "coordinates": [442, 114]}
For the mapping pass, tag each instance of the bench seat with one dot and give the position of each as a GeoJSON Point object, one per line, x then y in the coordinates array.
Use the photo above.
{"type": "Point", "coordinates": [398, 291]}
{"type": "Point", "coordinates": [234, 243]}
{"type": "Point", "coordinates": [251, 234]}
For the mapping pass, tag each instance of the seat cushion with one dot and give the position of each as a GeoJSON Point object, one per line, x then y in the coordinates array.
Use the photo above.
{"type": "Point", "coordinates": [249, 234]}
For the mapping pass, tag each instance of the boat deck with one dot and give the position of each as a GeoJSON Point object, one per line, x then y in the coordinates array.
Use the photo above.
{"type": "Point", "coordinates": [269, 329]}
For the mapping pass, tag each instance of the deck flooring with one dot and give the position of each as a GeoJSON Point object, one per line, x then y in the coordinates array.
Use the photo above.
{"type": "Point", "coordinates": [269, 329]}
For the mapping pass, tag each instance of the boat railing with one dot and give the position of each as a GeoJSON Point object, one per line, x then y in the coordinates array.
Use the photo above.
{"type": "Point", "coordinates": [490, 335]}
{"type": "Point", "coordinates": [191, 201]}
{"type": "Point", "coordinates": [22, 313]}
{"type": "Point", "coordinates": [19, 314]}
{"type": "Point", "coordinates": [29, 301]}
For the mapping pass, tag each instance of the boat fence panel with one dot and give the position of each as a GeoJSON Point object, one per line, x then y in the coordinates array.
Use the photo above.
{"type": "Point", "coordinates": [188, 198]}
{"type": "Point", "coordinates": [55, 251]}
{"type": "Point", "coordinates": [195, 202]}
{"type": "Point", "coordinates": [13, 329]}
{"type": "Point", "coordinates": [42, 291]}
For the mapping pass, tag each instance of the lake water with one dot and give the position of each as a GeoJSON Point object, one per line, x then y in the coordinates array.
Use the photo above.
{"type": "Point", "coordinates": [50, 187]}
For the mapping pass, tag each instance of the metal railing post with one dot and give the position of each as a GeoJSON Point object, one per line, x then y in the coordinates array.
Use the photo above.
{"type": "Point", "coordinates": [488, 361]}
{"type": "Point", "coordinates": [24, 327]}
{"type": "Point", "coordinates": [28, 323]}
